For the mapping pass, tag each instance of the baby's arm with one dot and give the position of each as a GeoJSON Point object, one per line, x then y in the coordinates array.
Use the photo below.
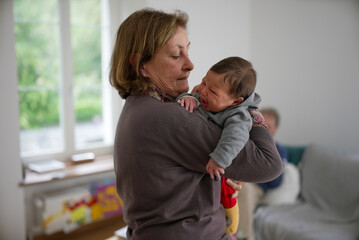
{"type": "Point", "coordinates": [234, 136]}
{"type": "Point", "coordinates": [214, 169]}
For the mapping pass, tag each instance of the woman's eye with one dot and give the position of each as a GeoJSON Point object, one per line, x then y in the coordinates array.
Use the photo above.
{"type": "Point", "coordinates": [175, 57]}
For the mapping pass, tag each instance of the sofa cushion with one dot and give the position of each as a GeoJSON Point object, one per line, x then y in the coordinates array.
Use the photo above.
{"type": "Point", "coordinates": [289, 188]}
{"type": "Point", "coordinates": [295, 153]}
{"type": "Point", "coordinates": [330, 182]}
{"type": "Point", "coordinates": [300, 221]}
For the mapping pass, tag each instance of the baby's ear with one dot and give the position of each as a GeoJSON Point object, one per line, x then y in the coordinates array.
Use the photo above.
{"type": "Point", "coordinates": [237, 101]}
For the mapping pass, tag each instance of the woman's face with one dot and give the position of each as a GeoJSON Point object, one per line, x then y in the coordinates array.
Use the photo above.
{"type": "Point", "coordinates": [170, 67]}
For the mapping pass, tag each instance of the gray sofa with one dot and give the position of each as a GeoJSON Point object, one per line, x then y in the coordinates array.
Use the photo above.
{"type": "Point", "coordinates": [328, 204]}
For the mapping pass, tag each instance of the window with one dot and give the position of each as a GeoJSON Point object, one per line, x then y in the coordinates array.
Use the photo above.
{"type": "Point", "coordinates": [62, 50]}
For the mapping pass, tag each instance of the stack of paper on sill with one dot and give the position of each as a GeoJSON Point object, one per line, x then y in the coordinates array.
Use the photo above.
{"type": "Point", "coordinates": [46, 166]}
{"type": "Point", "coordinates": [121, 233]}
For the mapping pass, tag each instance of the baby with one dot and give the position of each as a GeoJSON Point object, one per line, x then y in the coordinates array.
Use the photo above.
{"type": "Point", "coordinates": [225, 96]}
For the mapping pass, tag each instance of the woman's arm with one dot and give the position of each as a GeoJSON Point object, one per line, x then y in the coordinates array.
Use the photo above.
{"type": "Point", "coordinates": [258, 122]}
{"type": "Point", "coordinates": [259, 160]}
{"type": "Point", "coordinates": [194, 137]}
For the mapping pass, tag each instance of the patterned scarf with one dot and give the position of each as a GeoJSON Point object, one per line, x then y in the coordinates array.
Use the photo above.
{"type": "Point", "coordinates": [157, 93]}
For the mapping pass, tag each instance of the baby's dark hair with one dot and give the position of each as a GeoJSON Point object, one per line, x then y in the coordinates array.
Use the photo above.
{"type": "Point", "coordinates": [239, 74]}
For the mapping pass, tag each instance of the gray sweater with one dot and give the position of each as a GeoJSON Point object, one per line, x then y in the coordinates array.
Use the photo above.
{"type": "Point", "coordinates": [236, 123]}
{"type": "Point", "coordinates": [160, 154]}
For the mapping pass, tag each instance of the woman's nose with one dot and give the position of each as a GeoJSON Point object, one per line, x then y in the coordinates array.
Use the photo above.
{"type": "Point", "coordinates": [188, 65]}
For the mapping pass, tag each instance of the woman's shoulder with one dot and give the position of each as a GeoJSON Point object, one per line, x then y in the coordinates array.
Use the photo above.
{"type": "Point", "coordinates": [169, 113]}
{"type": "Point", "coordinates": [150, 107]}
{"type": "Point", "coordinates": [148, 104]}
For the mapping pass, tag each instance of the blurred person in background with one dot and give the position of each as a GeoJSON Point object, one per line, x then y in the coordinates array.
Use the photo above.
{"type": "Point", "coordinates": [253, 194]}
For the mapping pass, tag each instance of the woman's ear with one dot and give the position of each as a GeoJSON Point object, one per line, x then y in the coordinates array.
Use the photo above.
{"type": "Point", "coordinates": [143, 70]}
{"type": "Point", "coordinates": [133, 60]}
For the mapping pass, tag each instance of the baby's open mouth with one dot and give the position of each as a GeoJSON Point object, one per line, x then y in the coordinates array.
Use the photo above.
{"type": "Point", "coordinates": [203, 102]}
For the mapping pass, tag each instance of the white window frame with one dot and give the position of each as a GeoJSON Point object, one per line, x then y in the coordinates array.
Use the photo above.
{"type": "Point", "coordinates": [111, 102]}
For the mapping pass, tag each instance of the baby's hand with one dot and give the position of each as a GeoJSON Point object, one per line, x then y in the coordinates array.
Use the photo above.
{"type": "Point", "coordinates": [214, 169]}
{"type": "Point", "coordinates": [190, 103]}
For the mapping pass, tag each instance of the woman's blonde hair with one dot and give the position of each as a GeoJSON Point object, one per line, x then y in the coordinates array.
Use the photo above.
{"type": "Point", "coordinates": [138, 38]}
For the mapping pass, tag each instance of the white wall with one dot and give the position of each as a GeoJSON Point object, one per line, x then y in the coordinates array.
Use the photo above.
{"type": "Point", "coordinates": [306, 54]}
{"type": "Point", "coordinates": [216, 29]}
{"type": "Point", "coordinates": [12, 214]}
{"type": "Point", "coordinates": [307, 57]}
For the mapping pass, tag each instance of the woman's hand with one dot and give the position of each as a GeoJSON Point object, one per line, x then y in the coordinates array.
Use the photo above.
{"type": "Point", "coordinates": [236, 185]}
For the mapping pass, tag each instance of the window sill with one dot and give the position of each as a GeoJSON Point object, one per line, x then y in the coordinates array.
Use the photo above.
{"type": "Point", "coordinates": [100, 165]}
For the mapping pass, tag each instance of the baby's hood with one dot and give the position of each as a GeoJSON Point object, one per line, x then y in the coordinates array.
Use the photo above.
{"type": "Point", "coordinates": [252, 101]}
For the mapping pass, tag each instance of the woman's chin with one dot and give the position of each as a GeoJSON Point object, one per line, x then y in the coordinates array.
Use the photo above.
{"type": "Point", "coordinates": [182, 86]}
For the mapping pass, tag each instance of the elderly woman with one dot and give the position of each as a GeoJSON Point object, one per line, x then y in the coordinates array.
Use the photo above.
{"type": "Point", "coordinates": [161, 150]}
